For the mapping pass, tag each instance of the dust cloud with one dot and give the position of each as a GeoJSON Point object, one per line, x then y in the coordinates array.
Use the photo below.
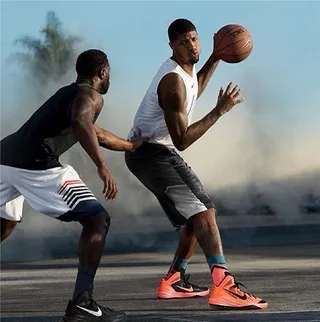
{"type": "Point", "coordinates": [249, 152]}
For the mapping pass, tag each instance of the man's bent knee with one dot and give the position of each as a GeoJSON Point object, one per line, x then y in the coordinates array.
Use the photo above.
{"type": "Point", "coordinates": [101, 220]}
{"type": "Point", "coordinates": [209, 213]}
{"type": "Point", "coordinates": [85, 209]}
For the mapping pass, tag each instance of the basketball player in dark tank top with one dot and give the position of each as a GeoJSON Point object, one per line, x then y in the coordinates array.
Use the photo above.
{"type": "Point", "coordinates": [30, 169]}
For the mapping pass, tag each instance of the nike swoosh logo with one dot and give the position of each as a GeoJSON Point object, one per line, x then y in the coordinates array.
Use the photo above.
{"type": "Point", "coordinates": [190, 289]}
{"type": "Point", "coordinates": [95, 313]}
{"type": "Point", "coordinates": [242, 297]}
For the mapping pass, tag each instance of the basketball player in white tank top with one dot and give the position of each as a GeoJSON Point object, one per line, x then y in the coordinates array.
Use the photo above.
{"type": "Point", "coordinates": [165, 115]}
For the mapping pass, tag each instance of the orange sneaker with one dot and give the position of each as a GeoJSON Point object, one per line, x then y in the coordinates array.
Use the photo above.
{"type": "Point", "coordinates": [178, 287]}
{"type": "Point", "coordinates": [228, 296]}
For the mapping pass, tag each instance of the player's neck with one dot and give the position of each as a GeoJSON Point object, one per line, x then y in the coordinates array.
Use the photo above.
{"type": "Point", "coordinates": [88, 81]}
{"type": "Point", "coordinates": [187, 67]}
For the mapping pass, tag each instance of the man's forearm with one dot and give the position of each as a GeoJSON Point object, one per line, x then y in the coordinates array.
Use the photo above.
{"type": "Point", "coordinates": [88, 140]}
{"type": "Point", "coordinates": [110, 141]}
{"type": "Point", "coordinates": [206, 72]}
{"type": "Point", "coordinates": [196, 130]}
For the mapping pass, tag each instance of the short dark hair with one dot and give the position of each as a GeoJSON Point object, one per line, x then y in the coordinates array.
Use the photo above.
{"type": "Point", "coordinates": [90, 62]}
{"type": "Point", "coordinates": [179, 27]}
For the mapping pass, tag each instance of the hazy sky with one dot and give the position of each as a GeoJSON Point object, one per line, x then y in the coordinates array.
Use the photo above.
{"type": "Point", "coordinates": [134, 35]}
{"type": "Point", "coordinates": [280, 79]}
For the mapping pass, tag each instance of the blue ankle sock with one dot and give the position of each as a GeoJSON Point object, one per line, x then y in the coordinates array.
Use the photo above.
{"type": "Point", "coordinates": [178, 264]}
{"type": "Point", "coordinates": [85, 278]}
{"type": "Point", "coordinates": [181, 263]}
{"type": "Point", "coordinates": [216, 260]}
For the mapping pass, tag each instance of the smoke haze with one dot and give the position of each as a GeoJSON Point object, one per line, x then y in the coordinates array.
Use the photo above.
{"type": "Point", "coordinates": [248, 150]}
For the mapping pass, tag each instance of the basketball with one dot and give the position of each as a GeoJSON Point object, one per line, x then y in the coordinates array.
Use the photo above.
{"type": "Point", "coordinates": [233, 43]}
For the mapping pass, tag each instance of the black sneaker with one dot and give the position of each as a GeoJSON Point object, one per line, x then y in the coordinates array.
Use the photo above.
{"type": "Point", "coordinates": [85, 309]}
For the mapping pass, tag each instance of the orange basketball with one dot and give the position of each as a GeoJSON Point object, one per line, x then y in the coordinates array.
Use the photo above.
{"type": "Point", "coordinates": [234, 43]}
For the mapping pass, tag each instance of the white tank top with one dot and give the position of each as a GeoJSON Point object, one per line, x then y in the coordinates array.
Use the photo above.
{"type": "Point", "coordinates": [150, 117]}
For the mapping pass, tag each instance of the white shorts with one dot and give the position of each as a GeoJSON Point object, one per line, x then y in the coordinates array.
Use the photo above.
{"type": "Point", "coordinates": [57, 192]}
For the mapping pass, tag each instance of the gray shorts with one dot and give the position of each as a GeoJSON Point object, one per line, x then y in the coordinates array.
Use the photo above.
{"type": "Point", "coordinates": [177, 188]}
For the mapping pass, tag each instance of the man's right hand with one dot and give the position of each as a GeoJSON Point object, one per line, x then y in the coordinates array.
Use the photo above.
{"type": "Point", "coordinates": [227, 99]}
{"type": "Point", "coordinates": [110, 188]}
{"type": "Point", "coordinates": [137, 139]}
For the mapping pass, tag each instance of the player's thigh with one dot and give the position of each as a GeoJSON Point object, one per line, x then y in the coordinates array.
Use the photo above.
{"type": "Point", "coordinates": [152, 167]}
{"type": "Point", "coordinates": [59, 193]}
{"type": "Point", "coordinates": [185, 190]}
{"type": "Point", "coordinates": [12, 210]}
{"type": "Point", "coordinates": [176, 219]}
{"type": "Point", "coordinates": [193, 192]}
{"type": "Point", "coordinates": [176, 187]}
{"type": "Point", "coordinates": [11, 201]}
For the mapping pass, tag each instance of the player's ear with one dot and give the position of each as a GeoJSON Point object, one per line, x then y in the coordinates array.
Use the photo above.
{"type": "Point", "coordinates": [170, 45]}
{"type": "Point", "coordinates": [103, 73]}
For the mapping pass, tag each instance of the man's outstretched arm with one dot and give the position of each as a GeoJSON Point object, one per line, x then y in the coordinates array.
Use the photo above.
{"type": "Point", "coordinates": [110, 141]}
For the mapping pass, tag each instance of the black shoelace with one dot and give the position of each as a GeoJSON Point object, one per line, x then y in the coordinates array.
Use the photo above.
{"type": "Point", "coordinates": [237, 284]}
